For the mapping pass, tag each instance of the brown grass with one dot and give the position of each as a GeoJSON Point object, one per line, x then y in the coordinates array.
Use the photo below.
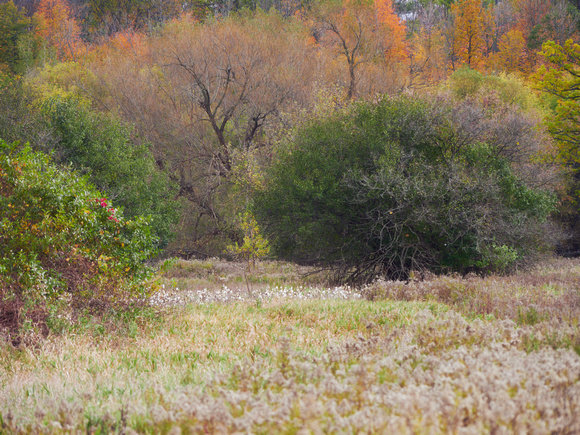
{"type": "Point", "coordinates": [450, 355]}
{"type": "Point", "coordinates": [550, 291]}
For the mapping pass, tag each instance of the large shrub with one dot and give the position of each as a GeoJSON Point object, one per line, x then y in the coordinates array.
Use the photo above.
{"type": "Point", "coordinates": [399, 185]}
{"type": "Point", "coordinates": [104, 148]}
{"type": "Point", "coordinates": [62, 243]}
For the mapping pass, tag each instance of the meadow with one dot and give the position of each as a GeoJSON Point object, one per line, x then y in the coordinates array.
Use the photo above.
{"type": "Point", "coordinates": [219, 349]}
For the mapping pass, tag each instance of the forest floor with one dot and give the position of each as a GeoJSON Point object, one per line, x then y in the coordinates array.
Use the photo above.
{"type": "Point", "coordinates": [221, 350]}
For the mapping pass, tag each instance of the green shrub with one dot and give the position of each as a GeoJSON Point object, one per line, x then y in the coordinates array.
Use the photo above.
{"type": "Point", "coordinates": [62, 243]}
{"type": "Point", "coordinates": [102, 147]}
{"type": "Point", "coordinates": [385, 188]}
{"type": "Point", "coordinates": [19, 119]}
{"type": "Point", "coordinates": [509, 89]}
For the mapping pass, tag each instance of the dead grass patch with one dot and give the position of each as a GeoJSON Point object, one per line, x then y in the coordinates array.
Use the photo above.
{"type": "Point", "coordinates": [549, 292]}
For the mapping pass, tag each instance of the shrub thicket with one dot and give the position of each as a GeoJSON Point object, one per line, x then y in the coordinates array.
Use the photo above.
{"type": "Point", "coordinates": [62, 244]}
{"type": "Point", "coordinates": [389, 187]}
{"type": "Point", "coordinates": [467, 83]}
{"type": "Point", "coordinates": [96, 144]}
{"type": "Point", "coordinates": [102, 147]}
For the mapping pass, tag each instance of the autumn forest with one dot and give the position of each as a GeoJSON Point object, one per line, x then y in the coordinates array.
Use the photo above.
{"type": "Point", "coordinates": [289, 216]}
{"type": "Point", "coordinates": [183, 112]}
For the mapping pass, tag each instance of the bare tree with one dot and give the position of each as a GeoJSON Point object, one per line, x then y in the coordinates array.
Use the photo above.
{"type": "Point", "coordinates": [362, 34]}
{"type": "Point", "coordinates": [562, 24]}
{"type": "Point", "coordinates": [202, 95]}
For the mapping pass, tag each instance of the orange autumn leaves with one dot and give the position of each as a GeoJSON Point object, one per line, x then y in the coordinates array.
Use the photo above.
{"type": "Point", "coordinates": [481, 41]}
{"type": "Point", "coordinates": [392, 29]}
{"type": "Point", "coordinates": [377, 24]}
{"type": "Point", "coordinates": [365, 42]}
{"type": "Point", "coordinates": [366, 39]}
{"type": "Point", "coordinates": [473, 25]}
{"type": "Point", "coordinates": [59, 29]}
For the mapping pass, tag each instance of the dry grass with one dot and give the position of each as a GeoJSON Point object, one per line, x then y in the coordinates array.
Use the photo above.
{"type": "Point", "coordinates": [548, 292]}
{"type": "Point", "coordinates": [435, 361]}
{"type": "Point", "coordinates": [214, 274]}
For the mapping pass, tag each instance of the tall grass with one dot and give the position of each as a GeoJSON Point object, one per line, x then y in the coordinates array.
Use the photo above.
{"type": "Point", "coordinates": [447, 355]}
{"type": "Point", "coordinates": [550, 291]}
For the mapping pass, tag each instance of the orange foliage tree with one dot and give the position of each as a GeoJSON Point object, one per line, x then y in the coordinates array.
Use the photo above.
{"type": "Point", "coordinates": [392, 31]}
{"type": "Point", "coordinates": [530, 14]}
{"type": "Point", "coordinates": [361, 31]}
{"type": "Point", "coordinates": [58, 27]}
{"type": "Point", "coordinates": [538, 21]}
{"type": "Point", "coordinates": [472, 25]}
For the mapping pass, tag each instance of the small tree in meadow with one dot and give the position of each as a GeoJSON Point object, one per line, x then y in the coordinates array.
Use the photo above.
{"type": "Point", "coordinates": [254, 245]}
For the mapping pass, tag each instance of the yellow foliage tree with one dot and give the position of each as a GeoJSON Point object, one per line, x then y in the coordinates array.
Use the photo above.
{"type": "Point", "coordinates": [254, 245]}
{"type": "Point", "coordinates": [512, 56]}
{"type": "Point", "coordinates": [428, 59]}
{"type": "Point", "coordinates": [469, 41]}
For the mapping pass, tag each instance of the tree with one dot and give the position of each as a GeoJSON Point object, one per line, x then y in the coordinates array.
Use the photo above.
{"type": "Point", "coordinates": [203, 95]}
{"type": "Point", "coordinates": [13, 26]}
{"type": "Point", "coordinates": [536, 21]}
{"type": "Point", "coordinates": [104, 148]}
{"type": "Point", "coordinates": [505, 19]}
{"type": "Point", "coordinates": [58, 27]}
{"type": "Point", "coordinates": [20, 119]}
{"type": "Point", "coordinates": [561, 22]}
{"type": "Point", "coordinates": [362, 32]}
{"type": "Point", "coordinates": [530, 14]}
{"type": "Point", "coordinates": [428, 57]}
{"type": "Point", "coordinates": [511, 56]}
{"type": "Point", "coordinates": [562, 80]}
{"type": "Point", "coordinates": [108, 17]}
{"type": "Point", "coordinates": [386, 188]}
{"type": "Point", "coordinates": [493, 91]}
{"type": "Point", "coordinates": [471, 20]}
